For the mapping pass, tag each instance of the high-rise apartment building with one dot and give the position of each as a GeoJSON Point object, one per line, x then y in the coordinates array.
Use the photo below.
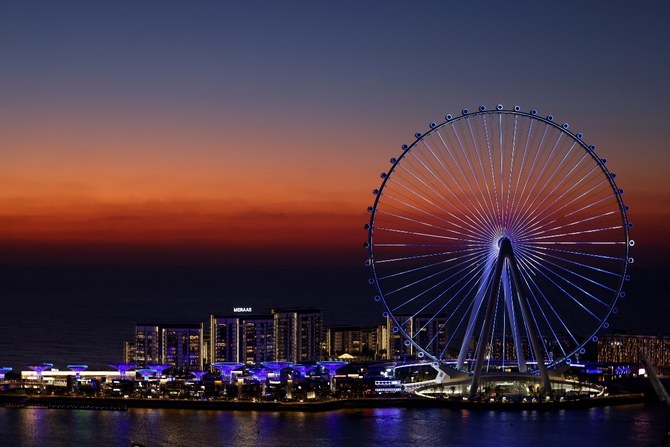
{"type": "Point", "coordinates": [297, 334]}
{"type": "Point", "coordinates": [258, 339]}
{"type": "Point", "coordinates": [148, 344]}
{"type": "Point", "coordinates": [182, 346]}
{"type": "Point", "coordinates": [225, 339]}
{"type": "Point", "coordinates": [622, 348]}
{"type": "Point", "coordinates": [176, 344]}
{"type": "Point", "coordinates": [248, 339]}
{"type": "Point", "coordinates": [361, 342]}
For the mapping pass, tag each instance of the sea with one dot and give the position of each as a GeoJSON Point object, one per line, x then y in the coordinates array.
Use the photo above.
{"type": "Point", "coordinates": [627, 425]}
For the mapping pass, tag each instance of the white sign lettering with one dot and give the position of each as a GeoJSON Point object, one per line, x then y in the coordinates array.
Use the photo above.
{"type": "Point", "coordinates": [241, 309]}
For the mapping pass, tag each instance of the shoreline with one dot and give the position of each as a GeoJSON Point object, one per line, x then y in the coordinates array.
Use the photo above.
{"type": "Point", "coordinates": [122, 404]}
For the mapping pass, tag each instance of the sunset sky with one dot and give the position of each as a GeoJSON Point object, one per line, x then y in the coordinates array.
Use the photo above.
{"type": "Point", "coordinates": [254, 132]}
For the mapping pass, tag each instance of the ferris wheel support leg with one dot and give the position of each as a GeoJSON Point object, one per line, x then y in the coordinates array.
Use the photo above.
{"type": "Point", "coordinates": [488, 323]}
{"type": "Point", "coordinates": [518, 345]}
{"type": "Point", "coordinates": [535, 343]}
{"type": "Point", "coordinates": [477, 303]}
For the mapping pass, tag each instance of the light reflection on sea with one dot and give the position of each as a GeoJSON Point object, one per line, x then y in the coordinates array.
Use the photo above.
{"type": "Point", "coordinates": [629, 425]}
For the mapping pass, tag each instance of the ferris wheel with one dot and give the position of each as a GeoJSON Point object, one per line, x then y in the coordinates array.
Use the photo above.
{"type": "Point", "coordinates": [498, 236]}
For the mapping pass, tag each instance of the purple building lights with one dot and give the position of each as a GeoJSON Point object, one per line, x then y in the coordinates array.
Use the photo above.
{"type": "Point", "coordinates": [301, 369]}
{"type": "Point", "coordinates": [77, 370]}
{"type": "Point", "coordinates": [276, 367]}
{"type": "Point", "coordinates": [4, 370]}
{"type": "Point", "coordinates": [123, 367]}
{"type": "Point", "coordinates": [198, 375]}
{"type": "Point", "coordinates": [226, 369]}
{"type": "Point", "coordinates": [40, 367]}
{"type": "Point", "coordinates": [158, 368]}
{"type": "Point", "coordinates": [146, 373]}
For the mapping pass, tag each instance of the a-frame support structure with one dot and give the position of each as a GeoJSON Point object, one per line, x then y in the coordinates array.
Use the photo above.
{"type": "Point", "coordinates": [506, 262]}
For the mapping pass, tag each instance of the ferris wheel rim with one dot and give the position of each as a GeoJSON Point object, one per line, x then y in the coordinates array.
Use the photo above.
{"type": "Point", "coordinates": [499, 110]}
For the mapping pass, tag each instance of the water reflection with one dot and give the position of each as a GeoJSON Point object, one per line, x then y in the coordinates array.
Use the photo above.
{"type": "Point", "coordinates": [625, 425]}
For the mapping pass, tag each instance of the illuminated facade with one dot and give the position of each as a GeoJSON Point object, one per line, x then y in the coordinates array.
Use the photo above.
{"type": "Point", "coordinates": [182, 346]}
{"type": "Point", "coordinates": [258, 339]}
{"type": "Point", "coordinates": [129, 354]}
{"type": "Point", "coordinates": [286, 334]}
{"type": "Point", "coordinates": [625, 349]}
{"type": "Point", "coordinates": [248, 339]}
{"type": "Point", "coordinates": [177, 344]}
{"type": "Point", "coordinates": [224, 339]}
{"type": "Point", "coordinates": [148, 344]}
{"type": "Point", "coordinates": [362, 342]}
{"type": "Point", "coordinates": [298, 334]}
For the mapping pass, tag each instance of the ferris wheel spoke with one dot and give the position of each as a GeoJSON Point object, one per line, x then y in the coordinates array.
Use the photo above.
{"type": "Point", "coordinates": [479, 209]}
{"type": "Point", "coordinates": [569, 295]}
{"type": "Point", "coordinates": [435, 205]}
{"type": "Point", "coordinates": [428, 255]}
{"type": "Point", "coordinates": [401, 305]}
{"type": "Point", "coordinates": [578, 275]}
{"type": "Point", "coordinates": [417, 233]}
{"type": "Point", "coordinates": [457, 234]}
{"type": "Point", "coordinates": [490, 203]}
{"type": "Point", "coordinates": [401, 245]}
{"type": "Point", "coordinates": [578, 243]}
{"type": "Point", "coordinates": [511, 169]}
{"type": "Point", "coordinates": [580, 253]}
{"type": "Point", "coordinates": [464, 178]}
{"type": "Point", "coordinates": [521, 170]}
{"type": "Point", "coordinates": [471, 278]}
{"type": "Point", "coordinates": [416, 156]}
{"type": "Point", "coordinates": [541, 251]}
{"type": "Point", "coordinates": [544, 222]}
{"type": "Point", "coordinates": [460, 259]}
{"type": "Point", "coordinates": [532, 286]}
{"type": "Point", "coordinates": [423, 279]}
{"type": "Point", "coordinates": [577, 233]}
{"type": "Point", "coordinates": [461, 223]}
{"type": "Point", "coordinates": [525, 221]}
{"type": "Point", "coordinates": [502, 170]}
{"type": "Point", "coordinates": [589, 205]}
{"type": "Point", "coordinates": [532, 192]}
{"type": "Point", "coordinates": [552, 194]}
{"type": "Point", "coordinates": [491, 165]}
{"type": "Point", "coordinates": [573, 223]}
{"type": "Point", "coordinates": [472, 169]}
{"type": "Point", "coordinates": [530, 210]}
{"type": "Point", "coordinates": [522, 195]}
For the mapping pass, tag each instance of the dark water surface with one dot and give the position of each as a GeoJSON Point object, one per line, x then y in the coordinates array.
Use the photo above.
{"type": "Point", "coordinates": [82, 315]}
{"type": "Point", "coordinates": [629, 425]}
